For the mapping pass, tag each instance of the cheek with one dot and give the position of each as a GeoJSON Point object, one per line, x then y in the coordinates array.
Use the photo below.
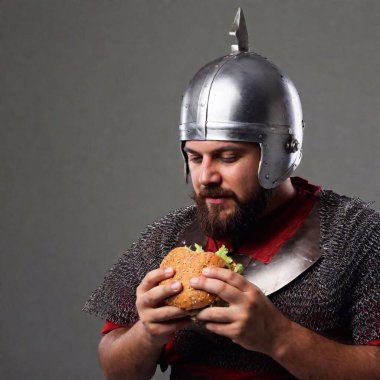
{"type": "Point", "coordinates": [193, 180]}
{"type": "Point", "coordinates": [243, 185]}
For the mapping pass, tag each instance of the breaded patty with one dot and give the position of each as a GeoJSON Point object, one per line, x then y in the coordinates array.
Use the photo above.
{"type": "Point", "coordinates": [188, 264]}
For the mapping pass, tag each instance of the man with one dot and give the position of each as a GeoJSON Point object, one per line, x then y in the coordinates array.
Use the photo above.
{"type": "Point", "coordinates": [310, 310]}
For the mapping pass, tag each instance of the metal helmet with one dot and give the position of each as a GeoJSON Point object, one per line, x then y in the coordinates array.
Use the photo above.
{"type": "Point", "coordinates": [244, 97]}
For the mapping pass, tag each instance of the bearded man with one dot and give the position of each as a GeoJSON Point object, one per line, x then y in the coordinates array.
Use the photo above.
{"type": "Point", "coordinates": [307, 305]}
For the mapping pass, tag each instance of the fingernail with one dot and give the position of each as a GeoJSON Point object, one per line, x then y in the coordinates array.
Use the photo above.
{"type": "Point", "coordinates": [176, 285]}
{"type": "Point", "coordinates": [194, 281]}
{"type": "Point", "coordinates": [206, 271]}
{"type": "Point", "coordinates": [168, 270]}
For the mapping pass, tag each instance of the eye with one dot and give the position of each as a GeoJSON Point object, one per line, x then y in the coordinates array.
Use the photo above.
{"type": "Point", "coordinates": [195, 159]}
{"type": "Point", "coordinates": [229, 158]}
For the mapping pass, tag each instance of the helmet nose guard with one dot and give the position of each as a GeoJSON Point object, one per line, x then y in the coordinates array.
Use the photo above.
{"type": "Point", "coordinates": [244, 97]}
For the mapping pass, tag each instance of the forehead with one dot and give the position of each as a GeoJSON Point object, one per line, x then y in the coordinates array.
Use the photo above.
{"type": "Point", "coordinates": [206, 146]}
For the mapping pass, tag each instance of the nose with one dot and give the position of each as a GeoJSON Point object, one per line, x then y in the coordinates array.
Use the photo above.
{"type": "Point", "coordinates": [209, 173]}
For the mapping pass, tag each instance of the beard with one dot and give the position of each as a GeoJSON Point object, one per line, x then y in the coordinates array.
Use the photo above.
{"type": "Point", "coordinates": [237, 225]}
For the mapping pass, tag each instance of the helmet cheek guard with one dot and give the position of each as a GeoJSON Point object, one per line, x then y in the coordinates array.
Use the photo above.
{"type": "Point", "coordinates": [244, 97]}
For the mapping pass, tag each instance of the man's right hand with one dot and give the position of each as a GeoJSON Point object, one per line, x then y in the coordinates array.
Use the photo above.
{"type": "Point", "coordinates": [133, 352]}
{"type": "Point", "coordinates": [160, 322]}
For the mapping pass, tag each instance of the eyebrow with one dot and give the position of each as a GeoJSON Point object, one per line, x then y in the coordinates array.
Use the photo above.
{"type": "Point", "coordinates": [227, 148]}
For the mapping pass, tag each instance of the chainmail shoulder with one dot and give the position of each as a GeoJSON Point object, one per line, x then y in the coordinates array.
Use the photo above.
{"type": "Point", "coordinates": [115, 299]}
{"type": "Point", "coordinates": [340, 295]}
{"type": "Point", "coordinates": [350, 243]}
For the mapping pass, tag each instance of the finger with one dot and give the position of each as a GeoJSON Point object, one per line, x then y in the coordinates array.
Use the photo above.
{"type": "Point", "coordinates": [167, 328]}
{"type": "Point", "coordinates": [153, 278]}
{"type": "Point", "coordinates": [222, 289]}
{"type": "Point", "coordinates": [217, 314]}
{"type": "Point", "coordinates": [227, 275]}
{"type": "Point", "coordinates": [155, 296]}
{"type": "Point", "coordinates": [165, 314]}
{"type": "Point", "coordinates": [220, 329]}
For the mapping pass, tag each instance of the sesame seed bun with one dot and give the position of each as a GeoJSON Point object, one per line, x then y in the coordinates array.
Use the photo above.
{"type": "Point", "coordinates": [187, 264]}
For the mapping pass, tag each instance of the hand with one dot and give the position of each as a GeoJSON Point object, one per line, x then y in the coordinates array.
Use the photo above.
{"type": "Point", "coordinates": [159, 322]}
{"type": "Point", "coordinates": [250, 320]}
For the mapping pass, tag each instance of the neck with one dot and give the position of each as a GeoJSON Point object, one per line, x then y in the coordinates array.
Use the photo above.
{"type": "Point", "coordinates": [281, 195]}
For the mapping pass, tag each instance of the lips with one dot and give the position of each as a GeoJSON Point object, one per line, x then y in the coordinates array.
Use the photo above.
{"type": "Point", "coordinates": [216, 201]}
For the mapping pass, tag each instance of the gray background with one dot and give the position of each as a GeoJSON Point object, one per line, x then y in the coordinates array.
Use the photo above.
{"type": "Point", "coordinates": [90, 95]}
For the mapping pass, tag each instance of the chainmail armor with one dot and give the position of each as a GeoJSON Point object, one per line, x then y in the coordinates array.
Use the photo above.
{"type": "Point", "coordinates": [338, 297]}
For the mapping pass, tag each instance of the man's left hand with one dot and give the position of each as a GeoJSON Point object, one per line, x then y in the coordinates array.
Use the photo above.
{"type": "Point", "coordinates": [250, 320]}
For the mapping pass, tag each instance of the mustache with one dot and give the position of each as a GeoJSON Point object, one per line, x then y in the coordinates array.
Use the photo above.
{"type": "Point", "coordinates": [216, 192]}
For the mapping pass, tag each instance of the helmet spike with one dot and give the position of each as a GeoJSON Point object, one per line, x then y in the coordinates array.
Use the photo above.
{"type": "Point", "coordinates": [239, 31]}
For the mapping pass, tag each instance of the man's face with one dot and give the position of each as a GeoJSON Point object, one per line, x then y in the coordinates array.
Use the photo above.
{"type": "Point", "coordinates": [227, 192]}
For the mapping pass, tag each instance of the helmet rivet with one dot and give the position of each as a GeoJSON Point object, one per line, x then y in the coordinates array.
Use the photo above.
{"type": "Point", "coordinates": [266, 176]}
{"type": "Point", "coordinates": [292, 145]}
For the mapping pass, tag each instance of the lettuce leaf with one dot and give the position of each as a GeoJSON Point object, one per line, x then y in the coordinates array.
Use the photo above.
{"type": "Point", "coordinates": [222, 252]}
{"type": "Point", "coordinates": [198, 248]}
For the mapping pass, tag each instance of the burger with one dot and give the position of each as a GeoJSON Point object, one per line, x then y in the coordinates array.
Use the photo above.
{"type": "Point", "coordinates": [188, 263]}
